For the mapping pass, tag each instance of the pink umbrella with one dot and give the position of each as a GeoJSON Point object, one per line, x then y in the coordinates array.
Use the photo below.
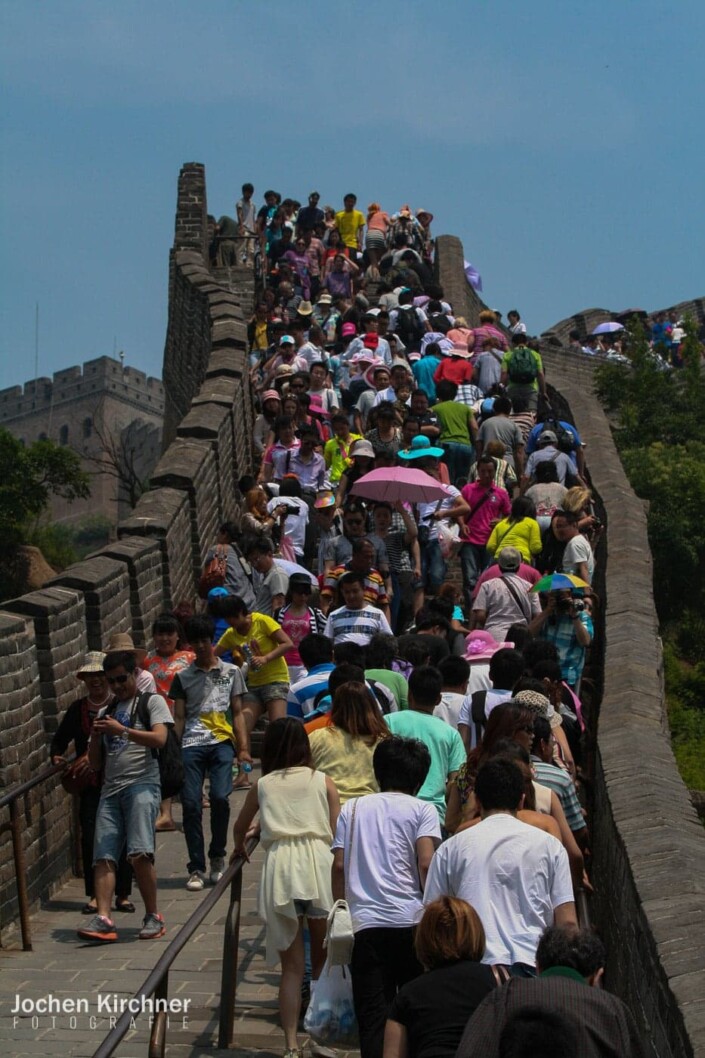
{"type": "Point", "coordinates": [398, 483]}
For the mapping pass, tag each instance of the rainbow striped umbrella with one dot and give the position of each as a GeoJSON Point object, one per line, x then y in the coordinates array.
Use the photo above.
{"type": "Point", "coordinates": [559, 582]}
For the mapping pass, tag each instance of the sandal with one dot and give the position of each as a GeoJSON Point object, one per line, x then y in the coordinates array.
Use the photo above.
{"type": "Point", "coordinates": [89, 909]}
{"type": "Point", "coordinates": [169, 824]}
{"type": "Point", "coordinates": [125, 905]}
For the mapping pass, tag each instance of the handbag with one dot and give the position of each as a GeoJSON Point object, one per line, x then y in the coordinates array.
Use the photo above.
{"type": "Point", "coordinates": [213, 575]}
{"type": "Point", "coordinates": [339, 934]}
{"type": "Point", "coordinates": [340, 938]}
{"type": "Point", "coordinates": [76, 778]}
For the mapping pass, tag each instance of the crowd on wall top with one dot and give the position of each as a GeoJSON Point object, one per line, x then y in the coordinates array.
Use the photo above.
{"type": "Point", "coordinates": [406, 604]}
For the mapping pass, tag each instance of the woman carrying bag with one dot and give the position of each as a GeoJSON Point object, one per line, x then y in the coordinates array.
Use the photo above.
{"type": "Point", "coordinates": [298, 809]}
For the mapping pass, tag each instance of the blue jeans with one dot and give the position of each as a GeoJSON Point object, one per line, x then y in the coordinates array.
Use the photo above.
{"type": "Point", "coordinates": [433, 567]}
{"type": "Point", "coordinates": [458, 458]}
{"type": "Point", "coordinates": [473, 561]}
{"type": "Point", "coordinates": [217, 761]}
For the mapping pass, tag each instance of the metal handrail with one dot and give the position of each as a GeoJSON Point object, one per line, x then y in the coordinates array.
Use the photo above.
{"type": "Point", "coordinates": [157, 982]}
{"type": "Point", "coordinates": [10, 800]}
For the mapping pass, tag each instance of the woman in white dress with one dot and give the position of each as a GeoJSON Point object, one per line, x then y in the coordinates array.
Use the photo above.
{"type": "Point", "coordinates": [298, 809]}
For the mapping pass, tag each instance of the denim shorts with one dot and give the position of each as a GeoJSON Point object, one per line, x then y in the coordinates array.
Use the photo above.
{"type": "Point", "coordinates": [268, 692]}
{"type": "Point", "coordinates": [126, 817]}
{"type": "Point", "coordinates": [306, 909]}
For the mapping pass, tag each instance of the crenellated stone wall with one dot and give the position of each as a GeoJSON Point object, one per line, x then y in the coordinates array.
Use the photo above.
{"type": "Point", "coordinates": [159, 553]}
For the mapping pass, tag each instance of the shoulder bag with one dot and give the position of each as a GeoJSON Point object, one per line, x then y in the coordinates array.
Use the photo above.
{"type": "Point", "coordinates": [339, 933]}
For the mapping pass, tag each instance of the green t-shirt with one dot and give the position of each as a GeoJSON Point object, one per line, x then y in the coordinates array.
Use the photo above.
{"type": "Point", "coordinates": [443, 743]}
{"type": "Point", "coordinates": [455, 420]}
{"type": "Point", "coordinates": [394, 681]}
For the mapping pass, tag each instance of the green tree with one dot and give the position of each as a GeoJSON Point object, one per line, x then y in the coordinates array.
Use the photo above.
{"type": "Point", "coordinates": [29, 477]}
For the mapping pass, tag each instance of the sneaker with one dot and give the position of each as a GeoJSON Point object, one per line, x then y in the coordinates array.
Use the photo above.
{"type": "Point", "coordinates": [217, 869]}
{"type": "Point", "coordinates": [99, 928]}
{"type": "Point", "coordinates": [196, 881]}
{"type": "Point", "coordinates": [152, 927]}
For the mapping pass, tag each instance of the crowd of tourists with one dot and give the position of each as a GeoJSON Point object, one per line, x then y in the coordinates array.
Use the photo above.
{"type": "Point", "coordinates": [406, 607]}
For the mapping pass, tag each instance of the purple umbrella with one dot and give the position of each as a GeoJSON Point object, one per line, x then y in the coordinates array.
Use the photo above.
{"type": "Point", "coordinates": [608, 328]}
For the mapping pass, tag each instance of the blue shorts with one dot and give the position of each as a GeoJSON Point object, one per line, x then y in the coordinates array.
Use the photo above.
{"type": "Point", "coordinates": [307, 909]}
{"type": "Point", "coordinates": [127, 817]}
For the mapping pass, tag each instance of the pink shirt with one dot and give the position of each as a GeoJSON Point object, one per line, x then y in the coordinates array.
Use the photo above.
{"type": "Point", "coordinates": [378, 222]}
{"type": "Point", "coordinates": [525, 572]}
{"type": "Point", "coordinates": [496, 507]}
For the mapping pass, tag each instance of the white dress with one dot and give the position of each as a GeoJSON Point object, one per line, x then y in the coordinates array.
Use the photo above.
{"type": "Point", "coordinates": [296, 837]}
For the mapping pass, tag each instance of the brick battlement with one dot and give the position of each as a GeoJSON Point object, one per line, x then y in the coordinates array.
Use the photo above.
{"type": "Point", "coordinates": [101, 376]}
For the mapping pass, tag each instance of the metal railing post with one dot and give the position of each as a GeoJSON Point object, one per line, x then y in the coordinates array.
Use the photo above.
{"type": "Point", "coordinates": [157, 1038]}
{"type": "Point", "coordinates": [20, 874]}
{"type": "Point", "coordinates": [228, 978]}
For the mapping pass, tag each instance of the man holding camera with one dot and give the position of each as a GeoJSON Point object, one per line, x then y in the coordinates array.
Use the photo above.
{"type": "Point", "coordinates": [566, 621]}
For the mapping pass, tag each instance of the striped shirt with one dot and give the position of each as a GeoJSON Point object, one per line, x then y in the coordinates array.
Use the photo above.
{"type": "Point", "coordinates": [561, 783]}
{"type": "Point", "coordinates": [302, 694]}
{"type": "Point", "coordinates": [356, 626]}
{"type": "Point", "coordinates": [375, 591]}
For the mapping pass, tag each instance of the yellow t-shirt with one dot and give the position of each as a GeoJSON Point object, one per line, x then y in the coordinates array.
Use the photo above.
{"type": "Point", "coordinates": [348, 225]}
{"type": "Point", "coordinates": [337, 455]}
{"type": "Point", "coordinates": [346, 760]}
{"type": "Point", "coordinates": [259, 640]}
{"type": "Point", "coordinates": [525, 536]}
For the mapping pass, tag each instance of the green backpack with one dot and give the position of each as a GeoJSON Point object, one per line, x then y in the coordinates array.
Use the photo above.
{"type": "Point", "coordinates": [522, 366]}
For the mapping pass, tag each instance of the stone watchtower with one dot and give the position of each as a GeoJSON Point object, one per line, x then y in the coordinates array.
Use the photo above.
{"type": "Point", "coordinates": [104, 411]}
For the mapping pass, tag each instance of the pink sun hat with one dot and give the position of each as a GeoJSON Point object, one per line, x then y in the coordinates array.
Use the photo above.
{"type": "Point", "coordinates": [481, 646]}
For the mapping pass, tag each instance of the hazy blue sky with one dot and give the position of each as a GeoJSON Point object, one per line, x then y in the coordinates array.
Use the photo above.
{"type": "Point", "coordinates": [558, 140]}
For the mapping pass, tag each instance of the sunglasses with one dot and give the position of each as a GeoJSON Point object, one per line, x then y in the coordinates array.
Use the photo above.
{"type": "Point", "coordinates": [117, 679]}
{"type": "Point", "coordinates": [302, 590]}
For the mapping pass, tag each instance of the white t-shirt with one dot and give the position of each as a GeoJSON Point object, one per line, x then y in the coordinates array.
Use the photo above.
{"type": "Point", "coordinates": [356, 626]}
{"type": "Point", "coordinates": [501, 605]}
{"type": "Point", "coordinates": [492, 699]}
{"type": "Point", "coordinates": [311, 354]}
{"type": "Point", "coordinates": [426, 511]}
{"type": "Point", "coordinates": [381, 875]}
{"type": "Point", "coordinates": [578, 550]}
{"type": "Point", "coordinates": [513, 874]}
{"type": "Point", "coordinates": [294, 523]}
{"type": "Point", "coordinates": [448, 708]}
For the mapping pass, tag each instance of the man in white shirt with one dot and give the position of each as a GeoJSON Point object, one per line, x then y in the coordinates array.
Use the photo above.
{"type": "Point", "coordinates": [381, 851]}
{"type": "Point", "coordinates": [578, 557]}
{"type": "Point", "coordinates": [515, 876]}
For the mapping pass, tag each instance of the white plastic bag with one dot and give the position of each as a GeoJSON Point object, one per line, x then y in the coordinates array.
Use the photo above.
{"type": "Point", "coordinates": [330, 1017]}
{"type": "Point", "coordinates": [448, 536]}
{"type": "Point", "coordinates": [339, 934]}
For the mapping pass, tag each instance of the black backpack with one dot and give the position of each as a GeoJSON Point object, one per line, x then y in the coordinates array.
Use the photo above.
{"type": "Point", "coordinates": [409, 327]}
{"type": "Point", "coordinates": [171, 763]}
{"type": "Point", "coordinates": [440, 322]}
{"type": "Point", "coordinates": [566, 438]}
{"type": "Point", "coordinates": [477, 710]}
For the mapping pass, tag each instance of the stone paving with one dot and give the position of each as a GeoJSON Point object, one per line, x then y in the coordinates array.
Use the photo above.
{"type": "Point", "coordinates": [68, 969]}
